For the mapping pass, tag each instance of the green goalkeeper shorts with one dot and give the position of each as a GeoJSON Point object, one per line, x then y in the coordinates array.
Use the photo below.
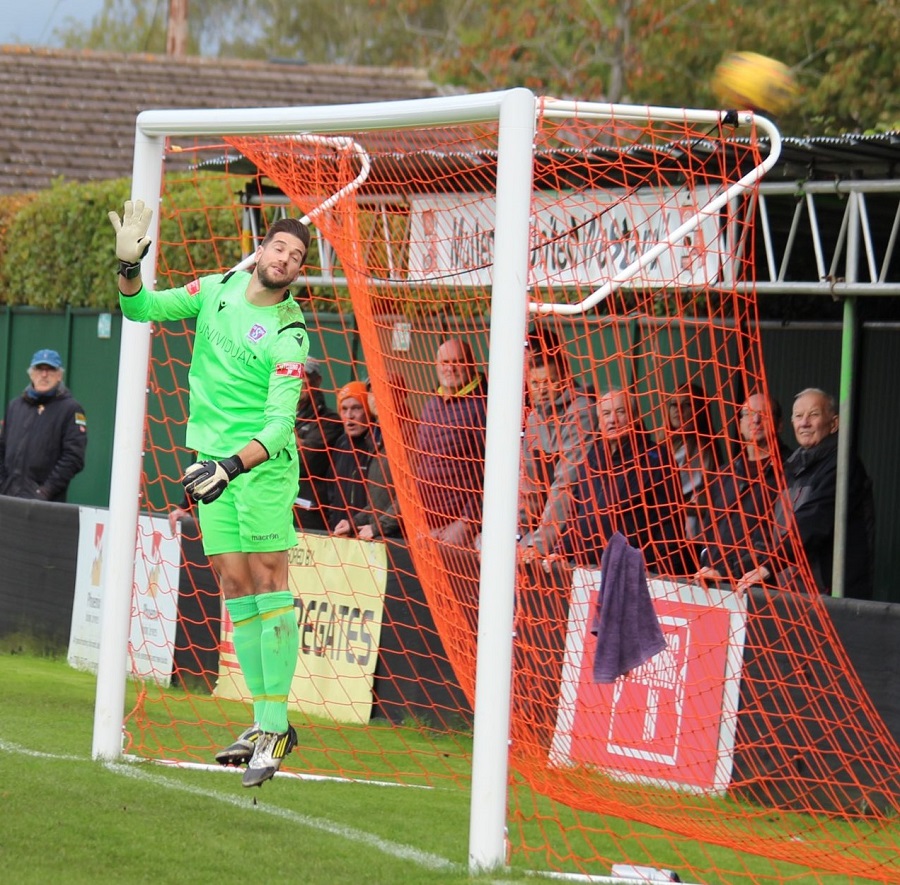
{"type": "Point", "coordinates": [255, 512]}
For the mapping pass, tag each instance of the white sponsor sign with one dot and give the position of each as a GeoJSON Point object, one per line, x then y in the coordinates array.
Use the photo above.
{"type": "Point", "coordinates": [154, 601]}
{"type": "Point", "coordinates": [579, 239]}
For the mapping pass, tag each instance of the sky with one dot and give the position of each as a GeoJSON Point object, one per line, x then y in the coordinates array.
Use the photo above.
{"type": "Point", "coordinates": [32, 22]}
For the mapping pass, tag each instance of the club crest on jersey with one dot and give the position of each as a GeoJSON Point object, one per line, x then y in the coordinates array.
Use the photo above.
{"type": "Point", "coordinates": [295, 370]}
{"type": "Point", "coordinates": [193, 287]}
{"type": "Point", "coordinates": [256, 333]}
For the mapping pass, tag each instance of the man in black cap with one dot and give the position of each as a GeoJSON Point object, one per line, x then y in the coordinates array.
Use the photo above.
{"type": "Point", "coordinates": [44, 436]}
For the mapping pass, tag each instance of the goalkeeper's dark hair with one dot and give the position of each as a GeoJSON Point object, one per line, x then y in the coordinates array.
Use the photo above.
{"type": "Point", "coordinates": [292, 226]}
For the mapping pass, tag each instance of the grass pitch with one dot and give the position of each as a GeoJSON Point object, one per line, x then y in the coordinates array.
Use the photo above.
{"type": "Point", "coordinates": [67, 817]}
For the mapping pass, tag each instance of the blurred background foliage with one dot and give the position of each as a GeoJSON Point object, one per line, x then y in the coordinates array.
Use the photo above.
{"type": "Point", "coordinates": [57, 246]}
{"type": "Point", "coordinates": [636, 51]}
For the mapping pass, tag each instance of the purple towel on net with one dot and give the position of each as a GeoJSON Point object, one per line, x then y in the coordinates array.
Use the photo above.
{"type": "Point", "coordinates": [625, 623]}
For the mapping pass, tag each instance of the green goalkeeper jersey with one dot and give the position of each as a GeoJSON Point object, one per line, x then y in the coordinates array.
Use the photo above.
{"type": "Point", "coordinates": [247, 364]}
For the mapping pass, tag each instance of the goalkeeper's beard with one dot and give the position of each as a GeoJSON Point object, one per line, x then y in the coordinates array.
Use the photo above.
{"type": "Point", "coordinates": [270, 282]}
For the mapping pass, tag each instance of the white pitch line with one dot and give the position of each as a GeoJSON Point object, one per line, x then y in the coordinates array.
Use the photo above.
{"type": "Point", "coordinates": [37, 754]}
{"type": "Point", "coordinates": [397, 850]}
{"type": "Point", "coordinates": [136, 768]}
{"type": "Point", "coordinates": [385, 846]}
{"type": "Point", "coordinates": [296, 775]}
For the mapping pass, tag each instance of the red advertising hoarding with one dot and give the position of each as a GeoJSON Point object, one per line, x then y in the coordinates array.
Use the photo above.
{"type": "Point", "coordinates": [670, 721]}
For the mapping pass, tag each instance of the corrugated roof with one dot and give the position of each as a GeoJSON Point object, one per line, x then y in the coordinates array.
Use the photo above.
{"type": "Point", "coordinates": [856, 157]}
{"type": "Point", "coordinates": [872, 157]}
{"type": "Point", "coordinates": [72, 113]}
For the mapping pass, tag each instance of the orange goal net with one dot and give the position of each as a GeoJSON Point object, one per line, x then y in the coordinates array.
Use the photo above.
{"type": "Point", "coordinates": [699, 714]}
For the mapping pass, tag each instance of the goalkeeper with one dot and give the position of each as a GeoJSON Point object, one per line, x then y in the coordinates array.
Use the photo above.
{"type": "Point", "coordinates": [245, 378]}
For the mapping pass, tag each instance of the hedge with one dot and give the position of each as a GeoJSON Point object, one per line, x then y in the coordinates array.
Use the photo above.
{"type": "Point", "coordinates": [57, 246]}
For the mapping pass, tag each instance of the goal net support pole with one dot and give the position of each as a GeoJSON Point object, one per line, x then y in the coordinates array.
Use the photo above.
{"type": "Point", "coordinates": [509, 320]}
{"type": "Point", "coordinates": [562, 109]}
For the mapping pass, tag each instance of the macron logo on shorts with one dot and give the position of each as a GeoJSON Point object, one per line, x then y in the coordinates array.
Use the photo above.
{"type": "Point", "coordinates": [294, 370]}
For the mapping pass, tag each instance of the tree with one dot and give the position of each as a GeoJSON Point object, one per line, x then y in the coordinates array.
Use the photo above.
{"type": "Point", "coordinates": [120, 26]}
{"type": "Point", "coordinates": [842, 56]}
{"type": "Point", "coordinates": [664, 52]}
{"type": "Point", "coordinates": [349, 32]}
{"type": "Point", "coordinates": [641, 51]}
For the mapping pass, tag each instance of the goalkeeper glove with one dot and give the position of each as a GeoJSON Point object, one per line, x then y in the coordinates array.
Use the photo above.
{"type": "Point", "coordinates": [132, 241]}
{"type": "Point", "coordinates": [206, 480]}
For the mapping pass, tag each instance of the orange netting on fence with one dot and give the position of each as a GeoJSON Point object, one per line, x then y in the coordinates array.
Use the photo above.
{"type": "Point", "coordinates": [744, 748]}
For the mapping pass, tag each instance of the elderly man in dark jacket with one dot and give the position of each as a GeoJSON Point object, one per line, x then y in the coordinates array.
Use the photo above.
{"type": "Point", "coordinates": [739, 532]}
{"type": "Point", "coordinates": [44, 436]}
{"type": "Point", "coordinates": [627, 484]}
{"type": "Point", "coordinates": [812, 486]}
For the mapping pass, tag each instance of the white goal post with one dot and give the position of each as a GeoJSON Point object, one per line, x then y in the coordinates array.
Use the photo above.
{"type": "Point", "coordinates": [515, 112]}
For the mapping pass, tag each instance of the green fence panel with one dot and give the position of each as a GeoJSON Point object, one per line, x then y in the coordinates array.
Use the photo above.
{"type": "Point", "coordinates": [334, 342]}
{"type": "Point", "coordinates": [31, 330]}
{"type": "Point", "coordinates": [91, 361]}
{"type": "Point", "coordinates": [5, 339]}
{"type": "Point", "coordinates": [92, 376]}
{"type": "Point", "coordinates": [878, 430]}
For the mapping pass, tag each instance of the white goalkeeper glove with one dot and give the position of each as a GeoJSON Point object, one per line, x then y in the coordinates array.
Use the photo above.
{"type": "Point", "coordinates": [204, 481]}
{"type": "Point", "coordinates": [132, 241]}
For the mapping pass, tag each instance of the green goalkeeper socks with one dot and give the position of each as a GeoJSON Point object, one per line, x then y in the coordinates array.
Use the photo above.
{"type": "Point", "coordinates": [246, 637]}
{"type": "Point", "coordinates": [279, 645]}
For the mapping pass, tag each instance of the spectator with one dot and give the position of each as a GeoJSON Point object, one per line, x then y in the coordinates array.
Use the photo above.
{"type": "Point", "coordinates": [451, 437]}
{"type": "Point", "coordinates": [812, 485]}
{"type": "Point", "coordinates": [694, 448]}
{"type": "Point", "coordinates": [318, 428]}
{"type": "Point", "coordinates": [44, 436]}
{"type": "Point", "coordinates": [361, 499]}
{"type": "Point", "coordinates": [560, 419]}
{"type": "Point", "coordinates": [626, 484]}
{"type": "Point", "coordinates": [738, 534]}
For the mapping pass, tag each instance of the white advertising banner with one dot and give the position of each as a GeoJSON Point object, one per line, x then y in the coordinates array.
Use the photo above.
{"type": "Point", "coordinates": [580, 240]}
{"type": "Point", "coordinates": [154, 602]}
{"type": "Point", "coordinates": [84, 634]}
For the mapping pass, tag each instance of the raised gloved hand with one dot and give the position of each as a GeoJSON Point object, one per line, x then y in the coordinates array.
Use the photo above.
{"type": "Point", "coordinates": [204, 481]}
{"type": "Point", "coordinates": [131, 229]}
